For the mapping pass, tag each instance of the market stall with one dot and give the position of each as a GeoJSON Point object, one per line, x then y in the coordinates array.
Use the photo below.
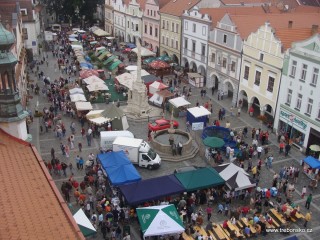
{"type": "Point", "coordinates": [160, 97]}
{"type": "Point", "coordinates": [94, 87]}
{"type": "Point", "coordinates": [179, 106]}
{"type": "Point", "coordinates": [96, 118]}
{"type": "Point", "coordinates": [83, 106]}
{"type": "Point", "coordinates": [76, 91]}
{"type": "Point", "coordinates": [88, 72]}
{"type": "Point", "coordinates": [131, 68]}
{"type": "Point", "coordinates": [117, 118]}
{"type": "Point", "coordinates": [311, 167]}
{"type": "Point", "coordinates": [196, 79]}
{"type": "Point", "coordinates": [144, 52]}
{"type": "Point", "coordinates": [78, 98]}
{"type": "Point", "coordinates": [93, 80]}
{"type": "Point", "coordinates": [159, 220]}
{"type": "Point", "coordinates": [156, 87]}
{"type": "Point", "coordinates": [84, 223]}
{"type": "Point", "coordinates": [198, 117]}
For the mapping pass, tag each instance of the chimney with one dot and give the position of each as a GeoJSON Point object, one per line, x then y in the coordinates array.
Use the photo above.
{"type": "Point", "coordinates": [290, 24]}
{"type": "Point", "coordinates": [314, 29]}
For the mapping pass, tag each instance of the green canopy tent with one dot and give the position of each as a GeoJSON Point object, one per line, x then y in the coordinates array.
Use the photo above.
{"type": "Point", "coordinates": [149, 60]}
{"type": "Point", "coordinates": [114, 65]}
{"type": "Point", "coordinates": [104, 55]}
{"type": "Point", "coordinates": [109, 60]}
{"type": "Point", "coordinates": [159, 220]}
{"type": "Point", "coordinates": [84, 223]}
{"type": "Point", "coordinates": [213, 142]}
{"type": "Point", "coordinates": [100, 52]}
{"type": "Point", "coordinates": [200, 179]}
{"type": "Point", "coordinates": [164, 58]}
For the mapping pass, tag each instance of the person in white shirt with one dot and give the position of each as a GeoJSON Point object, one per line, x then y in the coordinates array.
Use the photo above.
{"type": "Point", "coordinates": [259, 150]}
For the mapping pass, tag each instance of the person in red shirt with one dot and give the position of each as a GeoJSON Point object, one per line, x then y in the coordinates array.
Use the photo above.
{"type": "Point", "coordinates": [225, 224]}
{"type": "Point", "coordinates": [268, 194]}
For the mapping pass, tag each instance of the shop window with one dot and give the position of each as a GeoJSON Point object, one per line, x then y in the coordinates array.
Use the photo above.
{"type": "Point", "coordinates": [304, 72]}
{"type": "Point", "coordinates": [246, 72]}
{"type": "Point", "coordinates": [257, 78]}
{"type": "Point", "coordinates": [289, 97]}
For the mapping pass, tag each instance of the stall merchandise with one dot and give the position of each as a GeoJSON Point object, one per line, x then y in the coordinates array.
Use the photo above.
{"type": "Point", "coordinates": [196, 79]}
{"type": "Point", "coordinates": [151, 189]}
{"type": "Point", "coordinates": [311, 167]}
{"type": "Point", "coordinates": [236, 177]}
{"type": "Point", "coordinates": [159, 220]}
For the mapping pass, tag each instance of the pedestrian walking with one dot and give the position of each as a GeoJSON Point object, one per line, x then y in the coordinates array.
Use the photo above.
{"type": "Point", "coordinates": [52, 153]}
{"type": "Point", "coordinates": [179, 146]}
{"type": "Point", "coordinates": [71, 168]}
{"type": "Point", "coordinates": [209, 212]}
{"type": "Point", "coordinates": [80, 146]}
{"type": "Point", "coordinates": [67, 150]}
{"type": "Point", "coordinates": [64, 167]}
{"type": "Point", "coordinates": [78, 162]}
{"type": "Point", "coordinates": [174, 149]}
{"type": "Point", "coordinates": [81, 162]}
{"type": "Point", "coordinates": [281, 147]}
{"type": "Point", "coordinates": [309, 200]}
{"type": "Point", "coordinates": [307, 219]}
{"type": "Point", "coordinates": [287, 149]}
{"type": "Point", "coordinates": [304, 191]}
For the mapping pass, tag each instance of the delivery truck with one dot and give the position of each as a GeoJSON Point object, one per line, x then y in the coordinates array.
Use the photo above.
{"type": "Point", "coordinates": [138, 151]}
{"type": "Point", "coordinates": [107, 138]}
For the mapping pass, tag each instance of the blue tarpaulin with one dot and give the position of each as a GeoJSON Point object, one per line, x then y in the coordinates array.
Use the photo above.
{"type": "Point", "coordinates": [312, 162]}
{"type": "Point", "coordinates": [131, 45]}
{"type": "Point", "coordinates": [118, 168]}
{"type": "Point", "coordinates": [151, 189]}
{"type": "Point", "coordinates": [86, 65]}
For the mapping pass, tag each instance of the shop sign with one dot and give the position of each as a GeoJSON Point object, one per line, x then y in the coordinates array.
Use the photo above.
{"type": "Point", "coordinates": [293, 119]}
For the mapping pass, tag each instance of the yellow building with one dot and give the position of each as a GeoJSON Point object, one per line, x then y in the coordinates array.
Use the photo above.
{"type": "Point", "coordinates": [170, 30]}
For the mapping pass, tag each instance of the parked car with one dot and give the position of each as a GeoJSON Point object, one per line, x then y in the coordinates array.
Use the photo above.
{"type": "Point", "coordinates": [161, 124]}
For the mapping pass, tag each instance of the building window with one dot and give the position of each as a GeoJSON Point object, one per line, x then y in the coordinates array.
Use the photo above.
{"type": "Point", "coordinates": [162, 39]}
{"type": "Point", "coordinates": [177, 28]}
{"type": "Point", "coordinates": [172, 43]}
{"type": "Point", "coordinates": [156, 32]}
{"type": "Point", "coordinates": [315, 76]}
{"type": "Point", "coordinates": [299, 101]}
{"type": "Point", "coordinates": [289, 97]}
{"type": "Point", "coordinates": [224, 62]}
{"type": "Point", "coordinates": [270, 84]}
{"type": "Point", "coordinates": [309, 106]}
{"type": "Point", "coordinates": [204, 31]}
{"type": "Point", "coordinates": [194, 27]}
{"type": "Point", "coordinates": [145, 28]}
{"type": "Point", "coordinates": [318, 114]}
{"type": "Point", "coordinates": [219, 59]}
{"type": "Point", "coordinates": [177, 44]}
{"type": "Point", "coordinates": [148, 11]}
{"type": "Point", "coordinates": [172, 27]}
{"type": "Point", "coordinates": [246, 72]}
{"type": "Point", "coordinates": [150, 30]}
{"type": "Point", "coordinates": [163, 24]}
{"type": "Point", "coordinates": [137, 27]}
{"type": "Point", "coordinates": [193, 46]}
{"type": "Point", "coordinates": [304, 72]}
{"type": "Point", "coordinates": [213, 57]}
{"type": "Point", "coordinates": [224, 38]}
{"type": "Point", "coordinates": [203, 49]}
{"type": "Point", "coordinates": [233, 66]}
{"type": "Point", "coordinates": [23, 11]}
{"type": "Point", "coordinates": [128, 24]}
{"type": "Point", "coordinates": [186, 25]}
{"type": "Point", "coordinates": [257, 78]}
{"type": "Point", "coordinates": [167, 25]}
{"type": "Point", "coordinates": [261, 56]}
{"type": "Point", "coordinates": [293, 69]}
{"type": "Point", "coordinates": [186, 43]}
{"type": "Point", "coordinates": [167, 41]}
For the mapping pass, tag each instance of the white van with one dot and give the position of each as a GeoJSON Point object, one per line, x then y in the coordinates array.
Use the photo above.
{"type": "Point", "coordinates": [107, 137]}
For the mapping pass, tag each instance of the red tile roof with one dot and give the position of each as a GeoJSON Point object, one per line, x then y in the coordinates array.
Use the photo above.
{"type": "Point", "coordinates": [177, 7]}
{"type": "Point", "coordinates": [232, 2]}
{"type": "Point", "coordinates": [31, 205]}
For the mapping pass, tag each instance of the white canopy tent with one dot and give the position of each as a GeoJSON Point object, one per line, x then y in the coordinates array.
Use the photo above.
{"type": "Point", "coordinates": [144, 52]}
{"type": "Point", "coordinates": [236, 177]}
{"type": "Point", "coordinates": [199, 111]}
{"type": "Point", "coordinates": [83, 106]}
{"type": "Point", "coordinates": [93, 80]}
{"type": "Point", "coordinates": [100, 33]}
{"type": "Point", "coordinates": [179, 102]}
{"type": "Point", "coordinates": [78, 98]}
{"type": "Point", "coordinates": [156, 86]}
{"type": "Point", "coordinates": [76, 91]}
{"type": "Point", "coordinates": [131, 68]}
{"type": "Point", "coordinates": [125, 79]}
{"type": "Point", "coordinates": [76, 46]}
{"type": "Point", "coordinates": [143, 73]}
{"type": "Point", "coordinates": [71, 39]}
{"type": "Point", "coordinates": [84, 223]}
{"type": "Point", "coordinates": [97, 87]}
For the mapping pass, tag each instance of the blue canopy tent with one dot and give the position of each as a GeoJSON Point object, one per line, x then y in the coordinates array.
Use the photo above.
{"type": "Point", "coordinates": [312, 162]}
{"type": "Point", "coordinates": [131, 45]}
{"type": "Point", "coordinates": [151, 189]}
{"type": "Point", "coordinates": [198, 115]}
{"type": "Point", "coordinates": [118, 168]}
{"type": "Point", "coordinates": [86, 65]}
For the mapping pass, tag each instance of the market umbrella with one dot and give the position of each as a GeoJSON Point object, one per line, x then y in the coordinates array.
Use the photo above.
{"type": "Point", "coordinates": [157, 64]}
{"type": "Point", "coordinates": [213, 142]}
{"type": "Point", "coordinates": [164, 58]}
{"type": "Point", "coordinates": [88, 72]}
{"type": "Point", "coordinates": [315, 148]}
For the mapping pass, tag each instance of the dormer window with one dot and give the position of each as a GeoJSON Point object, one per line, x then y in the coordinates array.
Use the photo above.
{"type": "Point", "coordinates": [23, 11]}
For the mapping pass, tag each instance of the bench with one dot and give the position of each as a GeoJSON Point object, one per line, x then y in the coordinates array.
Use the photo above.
{"type": "Point", "coordinates": [293, 219]}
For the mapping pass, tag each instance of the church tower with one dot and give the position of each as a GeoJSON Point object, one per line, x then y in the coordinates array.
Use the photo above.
{"type": "Point", "coordinates": [12, 115]}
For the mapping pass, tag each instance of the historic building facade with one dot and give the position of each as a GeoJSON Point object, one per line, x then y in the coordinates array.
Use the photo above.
{"type": "Point", "coordinates": [119, 20]}
{"type": "Point", "coordinates": [108, 16]}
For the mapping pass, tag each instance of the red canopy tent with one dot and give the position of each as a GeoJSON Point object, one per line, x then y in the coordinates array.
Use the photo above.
{"type": "Point", "coordinates": [88, 72]}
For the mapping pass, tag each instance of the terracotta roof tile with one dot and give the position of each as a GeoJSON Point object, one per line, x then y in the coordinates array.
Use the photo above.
{"type": "Point", "coordinates": [163, 2]}
{"type": "Point", "coordinates": [142, 4]}
{"type": "Point", "coordinates": [231, 2]}
{"type": "Point", "coordinates": [310, 2]}
{"type": "Point", "coordinates": [177, 7]}
{"type": "Point", "coordinates": [31, 205]}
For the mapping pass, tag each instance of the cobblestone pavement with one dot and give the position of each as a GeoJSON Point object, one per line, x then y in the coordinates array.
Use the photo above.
{"type": "Point", "coordinates": [45, 141]}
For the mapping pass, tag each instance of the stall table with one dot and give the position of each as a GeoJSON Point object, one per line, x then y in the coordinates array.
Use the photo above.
{"type": "Point", "coordinates": [186, 236]}
{"type": "Point", "coordinates": [235, 229]}
{"type": "Point", "coordinates": [212, 235]}
{"type": "Point", "coordinates": [246, 223]}
{"type": "Point", "coordinates": [279, 217]}
{"type": "Point", "coordinates": [200, 230]}
{"type": "Point", "coordinates": [219, 229]}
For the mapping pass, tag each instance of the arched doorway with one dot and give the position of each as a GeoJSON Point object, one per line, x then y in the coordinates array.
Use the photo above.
{"type": "Point", "coordinates": [202, 71]}
{"type": "Point", "coordinates": [228, 89]}
{"type": "Point", "coordinates": [269, 113]}
{"type": "Point", "coordinates": [243, 100]}
{"type": "Point", "coordinates": [213, 81]}
{"type": "Point", "coordinates": [164, 53]}
{"type": "Point", "coordinates": [175, 59]}
{"type": "Point", "coordinates": [185, 64]}
{"type": "Point", "coordinates": [255, 103]}
{"type": "Point", "coordinates": [193, 67]}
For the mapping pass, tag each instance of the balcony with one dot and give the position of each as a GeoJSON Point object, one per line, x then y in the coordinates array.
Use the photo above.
{"type": "Point", "coordinates": [195, 55]}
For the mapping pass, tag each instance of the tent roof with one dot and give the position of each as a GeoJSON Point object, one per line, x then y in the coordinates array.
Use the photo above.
{"type": "Point", "coordinates": [78, 98]}
{"type": "Point", "coordinates": [150, 78]}
{"type": "Point", "coordinates": [236, 177]}
{"type": "Point", "coordinates": [97, 87]}
{"type": "Point", "coordinates": [200, 178]}
{"type": "Point", "coordinates": [113, 112]}
{"type": "Point", "coordinates": [93, 79]}
{"type": "Point", "coordinates": [158, 85]}
{"type": "Point", "coordinates": [151, 189]}
{"type": "Point", "coordinates": [199, 111]}
{"type": "Point", "coordinates": [99, 32]}
{"type": "Point", "coordinates": [84, 223]}
{"type": "Point", "coordinates": [114, 65]}
{"type": "Point", "coordinates": [144, 52]}
{"type": "Point", "coordinates": [118, 167]}
{"type": "Point", "coordinates": [195, 75]}
{"type": "Point", "coordinates": [159, 220]}
{"type": "Point", "coordinates": [83, 106]}
{"type": "Point", "coordinates": [76, 91]}
{"type": "Point", "coordinates": [312, 162]}
{"type": "Point", "coordinates": [179, 102]}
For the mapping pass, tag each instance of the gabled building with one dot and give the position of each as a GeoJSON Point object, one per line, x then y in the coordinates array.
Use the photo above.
{"type": "Point", "coordinates": [134, 13]}
{"type": "Point", "coordinates": [298, 109]}
{"type": "Point", "coordinates": [151, 24]}
{"type": "Point", "coordinates": [170, 22]}
{"type": "Point", "coordinates": [108, 16]}
{"type": "Point", "coordinates": [119, 19]}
